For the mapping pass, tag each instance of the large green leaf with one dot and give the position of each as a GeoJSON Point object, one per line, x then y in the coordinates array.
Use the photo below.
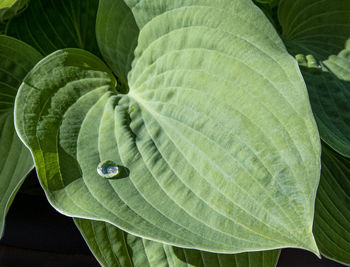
{"type": "Point", "coordinates": [318, 27]}
{"type": "Point", "coordinates": [11, 8]}
{"type": "Point", "coordinates": [215, 141]}
{"type": "Point", "coordinates": [332, 216]}
{"type": "Point", "coordinates": [16, 60]}
{"type": "Point", "coordinates": [113, 247]}
{"type": "Point", "coordinates": [49, 25]}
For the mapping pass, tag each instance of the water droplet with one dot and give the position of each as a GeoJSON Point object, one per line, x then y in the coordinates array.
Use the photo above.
{"type": "Point", "coordinates": [107, 169]}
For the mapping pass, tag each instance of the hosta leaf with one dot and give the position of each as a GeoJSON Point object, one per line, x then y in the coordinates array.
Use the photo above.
{"type": "Point", "coordinates": [113, 247]}
{"type": "Point", "coordinates": [10, 8]}
{"type": "Point", "coordinates": [49, 25]}
{"type": "Point", "coordinates": [315, 27]}
{"type": "Point", "coordinates": [16, 60]}
{"type": "Point", "coordinates": [160, 46]}
{"type": "Point", "coordinates": [332, 216]}
{"type": "Point", "coordinates": [215, 141]}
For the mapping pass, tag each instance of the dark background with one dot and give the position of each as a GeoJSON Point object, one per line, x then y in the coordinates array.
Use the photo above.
{"type": "Point", "coordinates": [37, 235]}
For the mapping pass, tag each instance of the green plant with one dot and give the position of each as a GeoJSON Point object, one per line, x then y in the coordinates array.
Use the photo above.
{"type": "Point", "coordinates": [185, 123]}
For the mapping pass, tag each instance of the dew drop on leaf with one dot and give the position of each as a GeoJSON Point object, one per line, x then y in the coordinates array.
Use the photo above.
{"type": "Point", "coordinates": [107, 169]}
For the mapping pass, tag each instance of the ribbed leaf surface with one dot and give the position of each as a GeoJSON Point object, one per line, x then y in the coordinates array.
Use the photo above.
{"type": "Point", "coordinates": [113, 247]}
{"type": "Point", "coordinates": [49, 25]}
{"type": "Point", "coordinates": [215, 141]}
{"type": "Point", "coordinates": [332, 216]}
{"type": "Point", "coordinates": [16, 60]}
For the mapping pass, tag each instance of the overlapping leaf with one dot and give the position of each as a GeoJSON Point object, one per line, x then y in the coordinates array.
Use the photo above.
{"type": "Point", "coordinates": [113, 247]}
{"type": "Point", "coordinates": [216, 142]}
{"type": "Point", "coordinates": [16, 60]}
{"type": "Point", "coordinates": [49, 25]}
{"type": "Point", "coordinates": [315, 27]}
{"type": "Point", "coordinates": [332, 216]}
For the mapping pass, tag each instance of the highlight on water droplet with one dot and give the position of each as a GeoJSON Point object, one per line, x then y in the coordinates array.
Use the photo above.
{"type": "Point", "coordinates": [107, 169]}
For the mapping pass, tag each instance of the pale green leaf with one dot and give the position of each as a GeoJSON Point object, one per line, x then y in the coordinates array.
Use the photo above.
{"type": "Point", "coordinates": [113, 247]}
{"type": "Point", "coordinates": [16, 60]}
{"type": "Point", "coordinates": [215, 141]}
{"type": "Point", "coordinates": [315, 27]}
{"type": "Point", "coordinates": [332, 215]}
{"type": "Point", "coordinates": [49, 25]}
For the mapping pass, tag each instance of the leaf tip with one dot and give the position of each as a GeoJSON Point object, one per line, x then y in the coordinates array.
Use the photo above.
{"type": "Point", "coordinates": [311, 245]}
